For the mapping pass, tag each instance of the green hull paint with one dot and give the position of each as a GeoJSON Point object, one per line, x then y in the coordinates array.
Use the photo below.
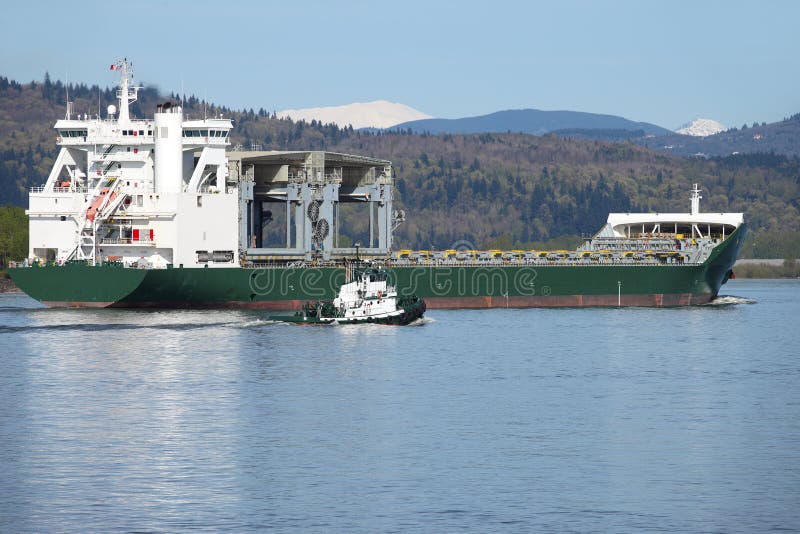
{"type": "Point", "coordinates": [440, 286]}
{"type": "Point", "coordinates": [78, 284]}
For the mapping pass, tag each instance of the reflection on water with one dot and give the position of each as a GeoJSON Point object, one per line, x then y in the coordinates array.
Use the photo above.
{"type": "Point", "coordinates": [123, 394]}
{"type": "Point", "coordinates": [570, 419]}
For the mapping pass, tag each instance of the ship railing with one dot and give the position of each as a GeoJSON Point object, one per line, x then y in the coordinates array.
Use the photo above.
{"type": "Point", "coordinates": [296, 177]}
{"type": "Point", "coordinates": [79, 189]}
{"type": "Point", "coordinates": [624, 241]}
{"type": "Point", "coordinates": [212, 189]}
{"type": "Point", "coordinates": [300, 177]}
{"type": "Point", "coordinates": [650, 259]}
{"type": "Point", "coordinates": [42, 189]}
{"type": "Point", "coordinates": [71, 140]}
{"type": "Point", "coordinates": [144, 240]}
{"type": "Point", "coordinates": [652, 241]}
{"type": "Point", "coordinates": [280, 265]}
{"type": "Point", "coordinates": [538, 262]}
{"type": "Point", "coordinates": [654, 235]}
{"type": "Point", "coordinates": [333, 177]}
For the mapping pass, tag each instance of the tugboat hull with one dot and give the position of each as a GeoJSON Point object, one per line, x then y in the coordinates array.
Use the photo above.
{"type": "Point", "coordinates": [412, 308]}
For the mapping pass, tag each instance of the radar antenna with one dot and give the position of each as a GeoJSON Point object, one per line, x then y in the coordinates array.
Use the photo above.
{"type": "Point", "coordinates": [127, 93]}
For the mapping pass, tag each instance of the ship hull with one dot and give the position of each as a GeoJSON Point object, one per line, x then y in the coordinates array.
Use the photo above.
{"type": "Point", "coordinates": [78, 285]}
{"type": "Point", "coordinates": [442, 286]}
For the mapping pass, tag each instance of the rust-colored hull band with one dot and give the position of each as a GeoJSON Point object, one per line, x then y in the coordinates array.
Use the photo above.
{"type": "Point", "coordinates": [565, 301]}
{"type": "Point", "coordinates": [569, 301]}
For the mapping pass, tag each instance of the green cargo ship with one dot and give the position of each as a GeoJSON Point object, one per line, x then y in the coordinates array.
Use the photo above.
{"type": "Point", "coordinates": [442, 285]}
{"type": "Point", "coordinates": [158, 213]}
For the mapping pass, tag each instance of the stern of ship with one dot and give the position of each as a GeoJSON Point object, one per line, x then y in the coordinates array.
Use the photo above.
{"type": "Point", "coordinates": [77, 285]}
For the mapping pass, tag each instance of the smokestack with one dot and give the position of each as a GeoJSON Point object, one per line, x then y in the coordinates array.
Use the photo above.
{"type": "Point", "coordinates": [168, 148]}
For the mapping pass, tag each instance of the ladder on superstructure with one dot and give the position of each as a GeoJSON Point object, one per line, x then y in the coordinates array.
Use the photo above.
{"type": "Point", "coordinates": [86, 246]}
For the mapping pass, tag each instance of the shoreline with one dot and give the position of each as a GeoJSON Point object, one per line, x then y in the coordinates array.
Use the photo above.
{"type": "Point", "coordinates": [766, 268]}
{"type": "Point", "coordinates": [7, 285]}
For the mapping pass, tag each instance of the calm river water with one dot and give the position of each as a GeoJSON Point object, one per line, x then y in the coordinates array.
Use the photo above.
{"type": "Point", "coordinates": [480, 420]}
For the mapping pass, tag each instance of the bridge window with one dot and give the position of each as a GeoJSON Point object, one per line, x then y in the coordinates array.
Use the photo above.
{"type": "Point", "coordinates": [73, 133]}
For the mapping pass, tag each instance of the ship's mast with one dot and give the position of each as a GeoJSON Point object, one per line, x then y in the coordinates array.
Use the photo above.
{"type": "Point", "coordinates": [68, 115]}
{"type": "Point", "coordinates": [694, 208]}
{"type": "Point", "coordinates": [127, 92]}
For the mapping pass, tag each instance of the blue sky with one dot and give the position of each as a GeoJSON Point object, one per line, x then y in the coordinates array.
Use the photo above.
{"type": "Point", "coordinates": [662, 62]}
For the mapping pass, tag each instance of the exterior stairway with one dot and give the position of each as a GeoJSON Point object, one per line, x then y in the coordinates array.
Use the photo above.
{"type": "Point", "coordinates": [100, 205]}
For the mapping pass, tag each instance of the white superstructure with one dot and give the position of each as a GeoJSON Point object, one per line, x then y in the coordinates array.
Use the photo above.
{"type": "Point", "coordinates": [147, 193]}
{"type": "Point", "coordinates": [693, 224]}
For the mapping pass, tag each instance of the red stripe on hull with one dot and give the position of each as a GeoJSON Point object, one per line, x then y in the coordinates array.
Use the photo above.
{"type": "Point", "coordinates": [278, 305]}
{"type": "Point", "coordinates": [569, 301]}
{"type": "Point", "coordinates": [565, 301]}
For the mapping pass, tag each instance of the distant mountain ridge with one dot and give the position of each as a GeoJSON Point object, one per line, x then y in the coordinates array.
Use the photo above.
{"type": "Point", "coordinates": [376, 114]}
{"type": "Point", "coordinates": [782, 137]}
{"type": "Point", "coordinates": [529, 121]}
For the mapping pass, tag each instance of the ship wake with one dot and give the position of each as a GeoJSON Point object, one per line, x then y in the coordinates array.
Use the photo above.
{"type": "Point", "coordinates": [730, 300]}
{"type": "Point", "coordinates": [100, 327]}
{"type": "Point", "coordinates": [256, 323]}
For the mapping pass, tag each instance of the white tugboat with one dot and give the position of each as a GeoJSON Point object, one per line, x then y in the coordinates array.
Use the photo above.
{"type": "Point", "coordinates": [367, 298]}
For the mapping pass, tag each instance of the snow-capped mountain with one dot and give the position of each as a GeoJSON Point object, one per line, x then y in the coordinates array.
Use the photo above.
{"type": "Point", "coordinates": [701, 128]}
{"type": "Point", "coordinates": [377, 114]}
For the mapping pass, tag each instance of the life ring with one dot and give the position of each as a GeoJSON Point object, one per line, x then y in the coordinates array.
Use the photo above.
{"type": "Point", "coordinates": [380, 293]}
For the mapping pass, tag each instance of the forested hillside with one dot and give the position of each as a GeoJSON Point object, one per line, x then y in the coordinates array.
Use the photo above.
{"type": "Point", "coordinates": [501, 189]}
